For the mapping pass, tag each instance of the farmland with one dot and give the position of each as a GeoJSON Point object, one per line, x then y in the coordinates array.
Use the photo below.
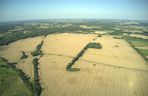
{"type": "Point", "coordinates": [13, 51]}
{"type": "Point", "coordinates": [75, 58]}
{"type": "Point", "coordinates": [10, 82]}
{"type": "Point", "coordinates": [27, 66]}
{"type": "Point", "coordinates": [115, 52]}
{"type": "Point", "coordinates": [71, 43]}
{"type": "Point", "coordinates": [100, 71]}
{"type": "Point", "coordinates": [139, 44]}
{"type": "Point", "coordinates": [19, 54]}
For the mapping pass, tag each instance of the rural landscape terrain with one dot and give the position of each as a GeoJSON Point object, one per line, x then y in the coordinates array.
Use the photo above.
{"type": "Point", "coordinates": [74, 57]}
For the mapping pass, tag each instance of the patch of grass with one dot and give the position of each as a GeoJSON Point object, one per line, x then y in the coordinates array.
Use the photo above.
{"type": "Point", "coordinates": [137, 42]}
{"type": "Point", "coordinates": [116, 32]}
{"type": "Point", "coordinates": [145, 52]}
{"type": "Point", "coordinates": [10, 83]}
{"type": "Point", "coordinates": [116, 46]}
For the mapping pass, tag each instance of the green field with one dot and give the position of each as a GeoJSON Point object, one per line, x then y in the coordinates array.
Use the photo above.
{"type": "Point", "coordinates": [10, 83]}
{"type": "Point", "coordinates": [145, 52]}
{"type": "Point", "coordinates": [137, 42]}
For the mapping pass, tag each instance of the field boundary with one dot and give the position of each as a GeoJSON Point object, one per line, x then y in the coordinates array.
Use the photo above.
{"type": "Point", "coordinates": [80, 54]}
{"type": "Point", "coordinates": [24, 77]}
{"type": "Point", "coordinates": [138, 51]}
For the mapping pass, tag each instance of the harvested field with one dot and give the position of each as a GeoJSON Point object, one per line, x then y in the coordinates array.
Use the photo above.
{"type": "Point", "coordinates": [101, 80]}
{"type": "Point", "coordinates": [93, 79]}
{"type": "Point", "coordinates": [116, 52]}
{"type": "Point", "coordinates": [67, 44]}
{"type": "Point", "coordinates": [26, 66]}
{"type": "Point", "coordinates": [13, 51]}
{"type": "Point", "coordinates": [114, 70]}
{"type": "Point", "coordinates": [52, 71]}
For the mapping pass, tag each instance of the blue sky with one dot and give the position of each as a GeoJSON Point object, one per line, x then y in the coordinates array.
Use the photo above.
{"type": "Point", "coordinates": [45, 9]}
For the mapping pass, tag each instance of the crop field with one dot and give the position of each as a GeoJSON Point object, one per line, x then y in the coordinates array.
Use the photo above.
{"type": "Point", "coordinates": [65, 43]}
{"type": "Point", "coordinates": [58, 51]}
{"type": "Point", "coordinates": [114, 69]}
{"type": "Point", "coordinates": [141, 44]}
{"type": "Point", "coordinates": [93, 79]}
{"type": "Point", "coordinates": [52, 69]}
{"type": "Point", "coordinates": [13, 51]}
{"type": "Point", "coordinates": [96, 79]}
{"type": "Point", "coordinates": [26, 66]}
{"type": "Point", "coordinates": [102, 71]}
{"type": "Point", "coordinates": [137, 42]}
{"type": "Point", "coordinates": [115, 52]}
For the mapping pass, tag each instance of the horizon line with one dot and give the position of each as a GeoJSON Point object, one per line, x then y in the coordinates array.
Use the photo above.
{"type": "Point", "coordinates": [9, 21]}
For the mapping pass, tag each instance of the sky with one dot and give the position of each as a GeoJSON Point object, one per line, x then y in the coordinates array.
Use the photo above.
{"type": "Point", "coordinates": [11, 10]}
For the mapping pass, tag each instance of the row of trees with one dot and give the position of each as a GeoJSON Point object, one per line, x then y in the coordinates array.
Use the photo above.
{"type": "Point", "coordinates": [37, 86]}
{"type": "Point", "coordinates": [68, 67]}
{"type": "Point", "coordinates": [89, 45]}
{"type": "Point", "coordinates": [38, 50]}
{"type": "Point", "coordinates": [94, 45]}
{"type": "Point", "coordinates": [24, 56]}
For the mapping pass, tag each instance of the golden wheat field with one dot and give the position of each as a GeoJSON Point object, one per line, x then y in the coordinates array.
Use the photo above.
{"type": "Point", "coordinates": [114, 70]}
